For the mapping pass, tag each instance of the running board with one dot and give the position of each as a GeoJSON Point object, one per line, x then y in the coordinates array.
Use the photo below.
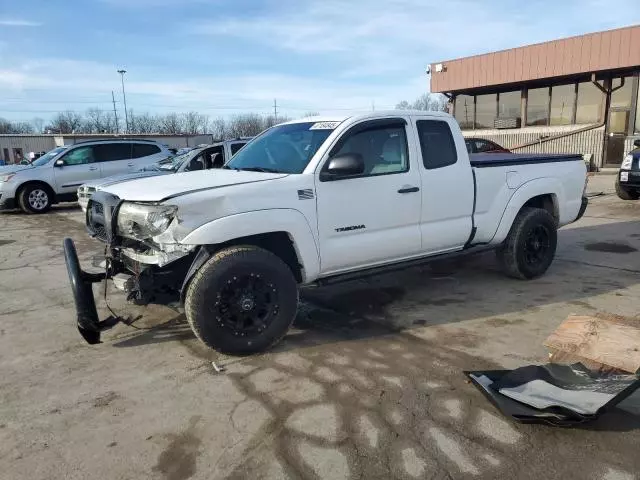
{"type": "Point", "coordinates": [371, 271]}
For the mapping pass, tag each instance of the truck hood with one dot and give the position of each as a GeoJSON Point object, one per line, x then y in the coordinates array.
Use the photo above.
{"type": "Point", "coordinates": [159, 188]}
{"type": "Point", "coordinates": [125, 177]}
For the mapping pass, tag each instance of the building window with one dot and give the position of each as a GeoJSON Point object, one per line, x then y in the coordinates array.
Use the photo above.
{"type": "Point", "coordinates": [622, 96]}
{"type": "Point", "coordinates": [509, 105]}
{"type": "Point", "coordinates": [464, 111]}
{"type": "Point", "coordinates": [637, 128]}
{"type": "Point", "coordinates": [486, 107]}
{"type": "Point", "coordinates": [538, 106]}
{"type": "Point", "coordinates": [589, 103]}
{"type": "Point", "coordinates": [562, 98]}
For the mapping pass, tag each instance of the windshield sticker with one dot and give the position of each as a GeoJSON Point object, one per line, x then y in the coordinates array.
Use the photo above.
{"type": "Point", "coordinates": [324, 125]}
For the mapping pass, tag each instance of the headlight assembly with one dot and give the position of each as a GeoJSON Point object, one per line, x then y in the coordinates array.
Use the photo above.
{"type": "Point", "coordinates": [141, 221]}
{"type": "Point", "coordinates": [7, 177]}
{"type": "Point", "coordinates": [626, 163]}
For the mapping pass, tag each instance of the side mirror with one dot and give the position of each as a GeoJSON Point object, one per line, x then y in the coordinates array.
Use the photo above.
{"type": "Point", "coordinates": [343, 165]}
{"type": "Point", "coordinates": [59, 163]}
{"type": "Point", "coordinates": [636, 143]}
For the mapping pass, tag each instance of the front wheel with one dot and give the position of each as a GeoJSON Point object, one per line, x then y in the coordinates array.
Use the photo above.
{"type": "Point", "coordinates": [242, 300]}
{"type": "Point", "coordinates": [530, 247]}
{"type": "Point", "coordinates": [625, 193]}
{"type": "Point", "coordinates": [34, 199]}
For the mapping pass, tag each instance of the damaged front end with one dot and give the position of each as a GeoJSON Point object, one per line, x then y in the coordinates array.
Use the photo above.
{"type": "Point", "coordinates": [142, 258]}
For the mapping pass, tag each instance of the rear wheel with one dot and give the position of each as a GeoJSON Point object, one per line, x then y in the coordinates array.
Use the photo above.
{"type": "Point", "coordinates": [626, 193]}
{"type": "Point", "coordinates": [530, 247]}
{"type": "Point", "coordinates": [242, 300]}
{"type": "Point", "coordinates": [35, 199]}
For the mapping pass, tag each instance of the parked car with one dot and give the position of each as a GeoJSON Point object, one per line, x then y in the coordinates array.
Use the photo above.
{"type": "Point", "coordinates": [628, 178]}
{"type": "Point", "coordinates": [480, 145]}
{"type": "Point", "coordinates": [56, 176]}
{"type": "Point", "coordinates": [202, 157]}
{"type": "Point", "coordinates": [317, 202]}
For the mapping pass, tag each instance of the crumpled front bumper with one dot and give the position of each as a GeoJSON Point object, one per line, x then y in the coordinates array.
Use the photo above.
{"type": "Point", "coordinates": [89, 325]}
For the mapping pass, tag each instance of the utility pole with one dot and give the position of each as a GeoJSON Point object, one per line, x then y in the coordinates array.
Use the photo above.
{"type": "Point", "coordinates": [275, 111]}
{"type": "Point", "coordinates": [124, 97]}
{"type": "Point", "coordinates": [115, 112]}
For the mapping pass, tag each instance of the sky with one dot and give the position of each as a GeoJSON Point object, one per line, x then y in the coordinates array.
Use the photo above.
{"type": "Point", "coordinates": [226, 57]}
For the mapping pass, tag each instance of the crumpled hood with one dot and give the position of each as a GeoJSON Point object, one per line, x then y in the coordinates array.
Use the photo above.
{"type": "Point", "coordinates": [14, 168]}
{"type": "Point", "coordinates": [125, 177]}
{"type": "Point", "coordinates": [158, 188]}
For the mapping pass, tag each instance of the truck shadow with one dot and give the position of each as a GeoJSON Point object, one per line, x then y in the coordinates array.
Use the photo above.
{"type": "Point", "coordinates": [591, 261]}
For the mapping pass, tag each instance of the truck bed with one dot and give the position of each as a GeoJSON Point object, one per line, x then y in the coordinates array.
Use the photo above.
{"type": "Point", "coordinates": [484, 160]}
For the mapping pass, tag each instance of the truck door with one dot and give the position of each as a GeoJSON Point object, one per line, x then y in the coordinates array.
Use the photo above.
{"type": "Point", "coordinates": [447, 187]}
{"type": "Point", "coordinates": [372, 218]}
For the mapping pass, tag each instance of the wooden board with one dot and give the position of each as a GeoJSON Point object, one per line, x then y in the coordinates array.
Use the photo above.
{"type": "Point", "coordinates": [600, 340]}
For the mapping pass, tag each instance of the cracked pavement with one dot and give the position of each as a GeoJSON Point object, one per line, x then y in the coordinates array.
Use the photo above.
{"type": "Point", "coordinates": [367, 385]}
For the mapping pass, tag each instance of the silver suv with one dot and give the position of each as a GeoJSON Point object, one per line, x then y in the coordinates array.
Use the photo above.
{"type": "Point", "coordinates": [202, 157]}
{"type": "Point", "coordinates": [55, 176]}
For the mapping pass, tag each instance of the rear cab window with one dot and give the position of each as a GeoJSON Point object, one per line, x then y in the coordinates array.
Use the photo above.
{"type": "Point", "coordinates": [236, 146]}
{"type": "Point", "coordinates": [436, 144]}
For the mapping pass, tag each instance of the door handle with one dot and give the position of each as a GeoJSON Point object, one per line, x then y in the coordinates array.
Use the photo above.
{"type": "Point", "coordinates": [93, 168]}
{"type": "Point", "coordinates": [408, 190]}
{"type": "Point", "coordinates": [131, 164]}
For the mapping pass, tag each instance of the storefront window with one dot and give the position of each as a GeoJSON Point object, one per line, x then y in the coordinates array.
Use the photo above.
{"type": "Point", "coordinates": [509, 104]}
{"type": "Point", "coordinates": [637, 128]}
{"type": "Point", "coordinates": [562, 97]}
{"type": "Point", "coordinates": [590, 100]}
{"type": "Point", "coordinates": [464, 111]}
{"type": "Point", "coordinates": [486, 110]}
{"type": "Point", "coordinates": [622, 96]}
{"type": "Point", "coordinates": [538, 106]}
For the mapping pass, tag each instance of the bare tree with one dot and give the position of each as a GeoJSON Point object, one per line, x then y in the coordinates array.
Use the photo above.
{"type": "Point", "coordinates": [8, 127]}
{"type": "Point", "coordinates": [143, 123]}
{"type": "Point", "coordinates": [22, 127]}
{"type": "Point", "coordinates": [311, 114]}
{"type": "Point", "coordinates": [426, 101]}
{"type": "Point", "coordinates": [37, 123]}
{"type": "Point", "coordinates": [5, 126]}
{"type": "Point", "coordinates": [65, 122]}
{"type": "Point", "coordinates": [218, 128]}
{"type": "Point", "coordinates": [245, 125]}
{"type": "Point", "coordinates": [194, 122]}
{"type": "Point", "coordinates": [171, 124]}
{"type": "Point", "coordinates": [99, 121]}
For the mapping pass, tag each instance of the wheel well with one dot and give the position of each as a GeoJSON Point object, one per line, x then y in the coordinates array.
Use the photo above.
{"type": "Point", "coordinates": [40, 183]}
{"type": "Point", "coordinates": [546, 202]}
{"type": "Point", "coordinates": [278, 243]}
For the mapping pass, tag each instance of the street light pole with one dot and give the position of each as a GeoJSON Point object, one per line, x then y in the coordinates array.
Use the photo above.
{"type": "Point", "coordinates": [124, 97]}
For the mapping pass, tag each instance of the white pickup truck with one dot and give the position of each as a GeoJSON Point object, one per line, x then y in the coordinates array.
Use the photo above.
{"type": "Point", "coordinates": [315, 201]}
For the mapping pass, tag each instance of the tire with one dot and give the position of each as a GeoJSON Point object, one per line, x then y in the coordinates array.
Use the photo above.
{"type": "Point", "coordinates": [35, 198]}
{"type": "Point", "coordinates": [242, 300]}
{"type": "Point", "coordinates": [625, 193]}
{"type": "Point", "coordinates": [530, 247]}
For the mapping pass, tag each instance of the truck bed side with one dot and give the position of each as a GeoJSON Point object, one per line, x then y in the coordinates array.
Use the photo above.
{"type": "Point", "coordinates": [506, 182]}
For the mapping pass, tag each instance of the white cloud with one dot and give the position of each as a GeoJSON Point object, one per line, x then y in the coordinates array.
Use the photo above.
{"type": "Point", "coordinates": [16, 22]}
{"type": "Point", "coordinates": [67, 84]}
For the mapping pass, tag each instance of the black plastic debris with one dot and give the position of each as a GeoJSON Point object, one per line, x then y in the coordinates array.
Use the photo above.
{"type": "Point", "coordinates": [561, 395]}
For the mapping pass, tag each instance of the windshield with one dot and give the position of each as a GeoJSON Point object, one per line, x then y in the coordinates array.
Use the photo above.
{"type": "Point", "coordinates": [283, 149]}
{"type": "Point", "coordinates": [44, 159]}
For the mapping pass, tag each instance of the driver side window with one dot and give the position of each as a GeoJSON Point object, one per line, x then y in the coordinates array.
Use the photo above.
{"type": "Point", "coordinates": [383, 148]}
{"type": "Point", "coordinates": [79, 156]}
